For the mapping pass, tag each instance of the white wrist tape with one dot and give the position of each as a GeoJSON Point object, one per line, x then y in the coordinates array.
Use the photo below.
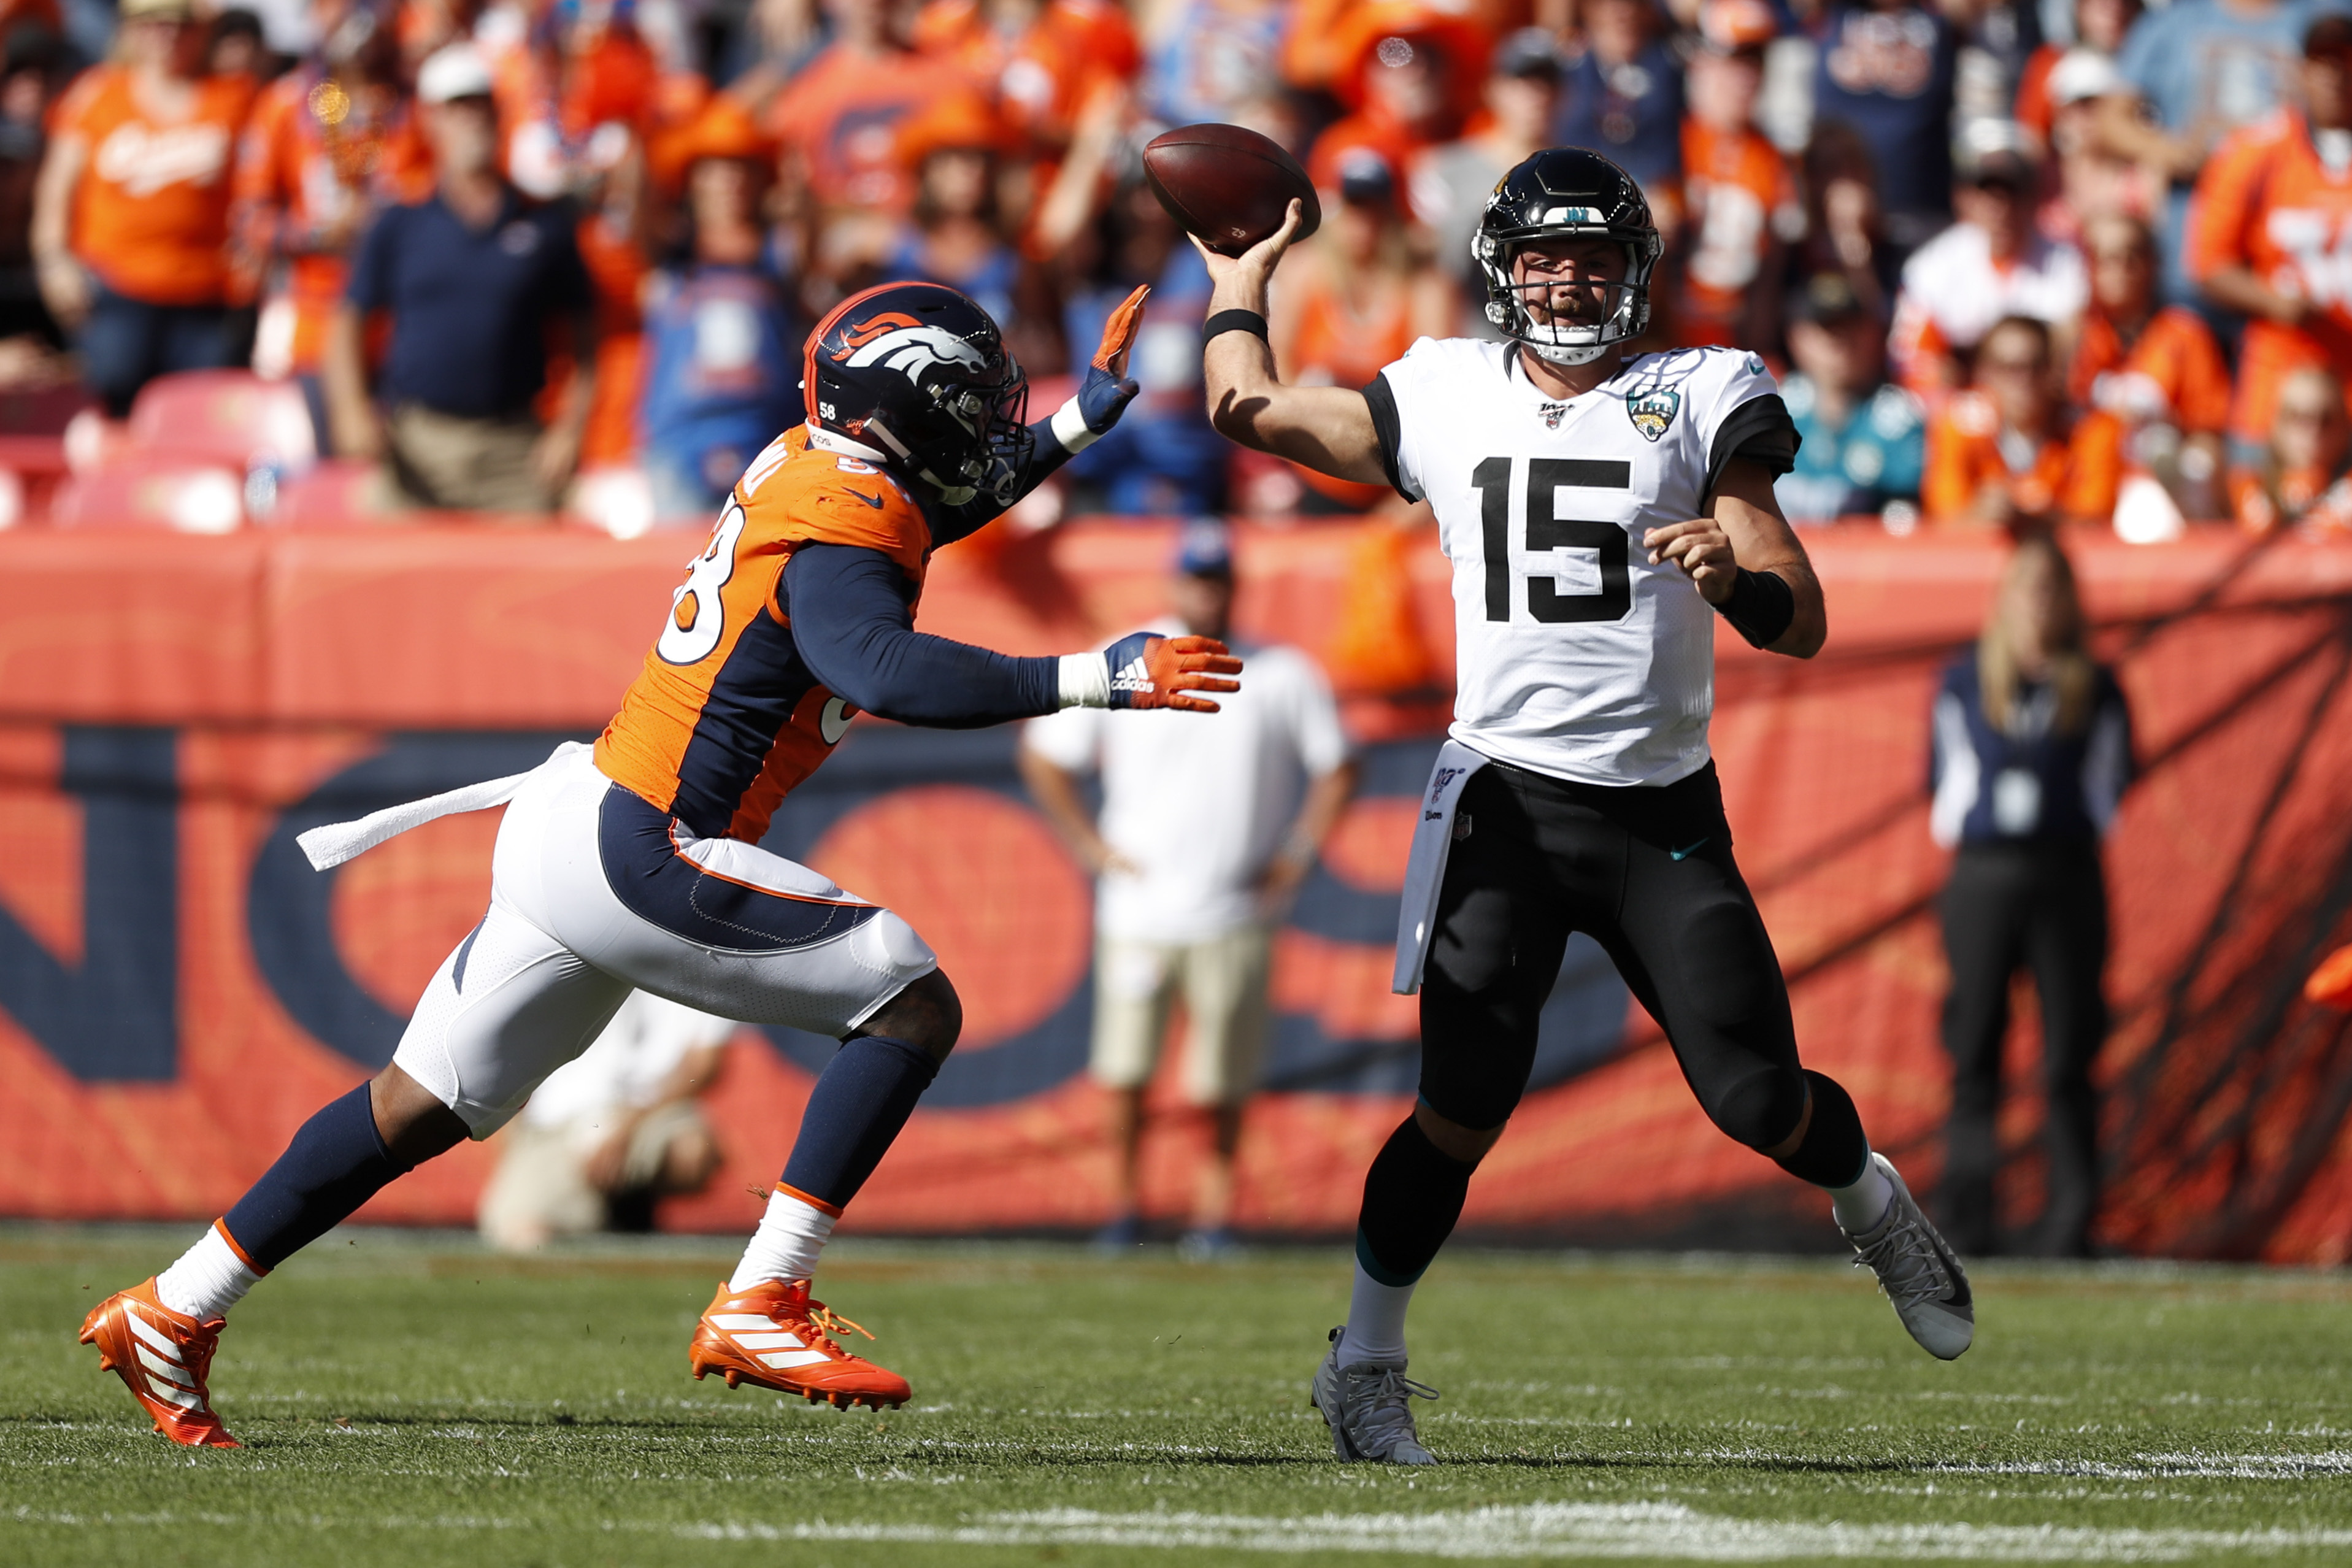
{"type": "Point", "coordinates": [1070, 428]}
{"type": "Point", "coordinates": [1085, 680]}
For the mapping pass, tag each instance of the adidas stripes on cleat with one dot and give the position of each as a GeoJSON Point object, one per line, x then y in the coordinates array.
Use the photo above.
{"type": "Point", "coordinates": [161, 1357]}
{"type": "Point", "coordinates": [774, 1336]}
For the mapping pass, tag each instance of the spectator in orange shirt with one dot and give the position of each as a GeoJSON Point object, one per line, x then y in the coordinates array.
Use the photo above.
{"type": "Point", "coordinates": [1998, 455]}
{"type": "Point", "coordinates": [131, 215]}
{"type": "Point", "coordinates": [329, 142]}
{"type": "Point", "coordinates": [2304, 479]}
{"type": "Point", "coordinates": [1410, 75]}
{"type": "Point", "coordinates": [2099, 29]}
{"type": "Point", "coordinates": [2271, 227]}
{"type": "Point", "coordinates": [1359, 296]}
{"type": "Point", "coordinates": [956, 236]}
{"type": "Point", "coordinates": [1740, 200]}
{"type": "Point", "coordinates": [1036, 60]}
{"type": "Point", "coordinates": [2154, 374]}
{"type": "Point", "coordinates": [839, 118]}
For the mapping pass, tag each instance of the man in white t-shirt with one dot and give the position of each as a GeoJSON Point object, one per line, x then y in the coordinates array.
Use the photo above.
{"type": "Point", "coordinates": [610, 1129]}
{"type": "Point", "coordinates": [1206, 832]}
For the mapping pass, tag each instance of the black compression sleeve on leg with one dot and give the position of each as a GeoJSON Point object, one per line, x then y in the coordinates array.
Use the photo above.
{"type": "Point", "coordinates": [861, 1100]}
{"type": "Point", "coordinates": [1835, 1149]}
{"type": "Point", "coordinates": [336, 1162]}
{"type": "Point", "coordinates": [1413, 1197]}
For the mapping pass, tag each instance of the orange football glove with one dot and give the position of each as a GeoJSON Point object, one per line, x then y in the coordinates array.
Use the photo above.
{"type": "Point", "coordinates": [2330, 984]}
{"type": "Point", "coordinates": [1118, 334]}
{"type": "Point", "coordinates": [1148, 671]}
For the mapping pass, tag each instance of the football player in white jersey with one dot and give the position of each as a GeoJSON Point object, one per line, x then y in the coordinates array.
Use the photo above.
{"type": "Point", "coordinates": [1601, 509]}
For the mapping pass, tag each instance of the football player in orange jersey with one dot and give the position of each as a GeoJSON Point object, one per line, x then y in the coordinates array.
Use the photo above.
{"type": "Point", "coordinates": [637, 866]}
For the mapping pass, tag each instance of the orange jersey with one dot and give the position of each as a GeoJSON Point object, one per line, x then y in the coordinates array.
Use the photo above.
{"type": "Point", "coordinates": [150, 214]}
{"type": "Point", "coordinates": [1967, 450]}
{"type": "Point", "coordinates": [313, 164]}
{"type": "Point", "coordinates": [1737, 190]}
{"type": "Point", "coordinates": [2266, 202]}
{"type": "Point", "coordinates": [2172, 371]}
{"type": "Point", "coordinates": [840, 117]}
{"type": "Point", "coordinates": [725, 717]}
{"type": "Point", "coordinates": [1041, 80]}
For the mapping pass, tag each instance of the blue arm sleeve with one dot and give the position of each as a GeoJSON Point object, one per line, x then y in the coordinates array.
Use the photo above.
{"type": "Point", "coordinates": [854, 630]}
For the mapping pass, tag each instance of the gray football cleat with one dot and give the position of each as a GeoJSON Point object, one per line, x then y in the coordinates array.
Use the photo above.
{"type": "Point", "coordinates": [1369, 1407]}
{"type": "Point", "coordinates": [1918, 1271]}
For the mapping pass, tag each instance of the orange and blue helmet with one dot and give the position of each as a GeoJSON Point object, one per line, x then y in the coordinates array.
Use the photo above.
{"type": "Point", "coordinates": [920, 373]}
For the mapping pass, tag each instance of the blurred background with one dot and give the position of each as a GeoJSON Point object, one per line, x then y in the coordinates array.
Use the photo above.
{"type": "Point", "coordinates": [305, 509]}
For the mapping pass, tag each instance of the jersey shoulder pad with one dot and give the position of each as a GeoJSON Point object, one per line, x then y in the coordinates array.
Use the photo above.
{"type": "Point", "coordinates": [1435, 362]}
{"type": "Point", "coordinates": [795, 493]}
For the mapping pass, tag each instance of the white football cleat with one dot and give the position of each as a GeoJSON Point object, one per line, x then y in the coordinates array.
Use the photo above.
{"type": "Point", "coordinates": [1918, 1271]}
{"type": "Point", "coordinates": [1369, 1407]}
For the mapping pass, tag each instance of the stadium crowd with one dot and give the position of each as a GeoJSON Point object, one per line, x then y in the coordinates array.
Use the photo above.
{"type": "Point", "coordinates": [2023, 262]}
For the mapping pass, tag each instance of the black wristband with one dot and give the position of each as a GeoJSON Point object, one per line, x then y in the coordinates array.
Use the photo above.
{"type": "Point", "coordinates": [1760, 608]}
{"type": "Point", "coordinates": [1248, 321]}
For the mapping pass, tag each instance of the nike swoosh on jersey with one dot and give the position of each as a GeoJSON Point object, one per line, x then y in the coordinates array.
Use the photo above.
{"type": "Point", "coordinates": [1688, 850]}
{"type": "Point", "coordinates": [833, 721]}
{"type": "Point", "coordinates": [873, 501]}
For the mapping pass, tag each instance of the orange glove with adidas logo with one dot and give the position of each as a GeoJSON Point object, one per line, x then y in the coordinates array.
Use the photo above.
{"type": "Point", "coordinates": [1148, 671]}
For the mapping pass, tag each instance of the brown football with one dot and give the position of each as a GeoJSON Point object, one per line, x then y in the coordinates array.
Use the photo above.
{"type": "Point", "coordinates": [1227, 184]}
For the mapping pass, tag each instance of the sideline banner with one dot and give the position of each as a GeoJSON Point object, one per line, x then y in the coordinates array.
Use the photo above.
{"type": "Point", "coordinates": [178, 989]}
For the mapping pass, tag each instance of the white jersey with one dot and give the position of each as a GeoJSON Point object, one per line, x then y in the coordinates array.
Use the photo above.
{"type": "Point", "coordinates": [1574, 656]}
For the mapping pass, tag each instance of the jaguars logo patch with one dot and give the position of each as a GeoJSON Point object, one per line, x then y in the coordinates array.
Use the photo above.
{"type": "Point", "coordinates": [1652, 412]}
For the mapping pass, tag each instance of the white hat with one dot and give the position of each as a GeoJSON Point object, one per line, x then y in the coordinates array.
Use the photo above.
{"type": "Point", "coordinates": [2084, 73]}
{"type": "Point", "coordinates": [451, 73]}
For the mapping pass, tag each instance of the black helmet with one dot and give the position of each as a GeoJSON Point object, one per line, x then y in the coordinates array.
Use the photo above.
{"type": "Point", "coordinates": [919, 372]}
{"type": "Point", "coordinates": [1567, 191]}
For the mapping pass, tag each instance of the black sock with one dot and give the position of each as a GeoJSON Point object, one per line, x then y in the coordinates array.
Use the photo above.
{"type": "Point", "coordinates": [861, 1100]}
{"type": "Point", "coordinates": [1413, 1196]}
{"type": "Point", "coordinates": [1835, 1149]}
{"type": "Point", "coordinates": [336, 1162]}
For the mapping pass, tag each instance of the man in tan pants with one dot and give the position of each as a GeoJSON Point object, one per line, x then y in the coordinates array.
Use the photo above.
{"type": "Point", "coordinates": [1202, 842]}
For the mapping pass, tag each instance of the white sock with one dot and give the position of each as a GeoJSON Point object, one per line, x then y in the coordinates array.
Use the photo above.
{"type": "Point", "coordinates": [1375, 1330]}
{"type": "Point", "coordinates": [790, 1234]}
{"type": "Point", "coordinates": [1861, 1206]}
{"type": "Point", "coordinates": [208, 1279]}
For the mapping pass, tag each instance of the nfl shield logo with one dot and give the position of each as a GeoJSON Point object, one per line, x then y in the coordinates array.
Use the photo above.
{"type": "Point", "coordinates": [1553, 412]}
{"type": "Point", "coordinates": [1654, 411]}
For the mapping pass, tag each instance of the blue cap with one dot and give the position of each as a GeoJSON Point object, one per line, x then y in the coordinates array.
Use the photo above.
{"type": "Point", "coordinates": [1205, 549]}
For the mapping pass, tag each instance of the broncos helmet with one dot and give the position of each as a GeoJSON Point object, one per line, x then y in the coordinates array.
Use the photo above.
{"type": "Point", "coordinates": [919, 372]}
{"type": "Point", "coordinates": [1567, 193]}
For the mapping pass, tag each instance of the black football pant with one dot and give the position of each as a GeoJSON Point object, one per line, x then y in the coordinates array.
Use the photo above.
{"type": "Point", "coordinates": [1649, 874]}
{"type": "Point", "coordinates": [2040, 907]}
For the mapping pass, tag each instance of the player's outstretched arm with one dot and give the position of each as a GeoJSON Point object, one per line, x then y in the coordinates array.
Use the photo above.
{"type": "Point", "coordinates": [1741, 541]}
{"type": "Point", "coordinates": [1328, 428]}
{"type": "Point", "coordinates": [853, 628]}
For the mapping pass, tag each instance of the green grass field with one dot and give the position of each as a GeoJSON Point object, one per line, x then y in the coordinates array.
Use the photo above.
{"type": "Point", "coordinates": [412, 1401]}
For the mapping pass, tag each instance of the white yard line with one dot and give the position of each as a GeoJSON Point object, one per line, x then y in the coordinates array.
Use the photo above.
{"type": "Point", "coordinates": [1651, 1530]}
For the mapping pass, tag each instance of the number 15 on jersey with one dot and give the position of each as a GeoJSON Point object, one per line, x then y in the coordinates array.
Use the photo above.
{"type": "Point", "coordinates": [1546, 531]}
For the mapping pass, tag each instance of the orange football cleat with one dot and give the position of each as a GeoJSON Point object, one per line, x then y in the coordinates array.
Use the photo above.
{"type": "Point", "coordinates": [161, 1357]}
{"type": "Point", "coordinates": [774, 1336]}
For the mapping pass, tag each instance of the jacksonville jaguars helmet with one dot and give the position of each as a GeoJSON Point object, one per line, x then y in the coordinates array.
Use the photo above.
{"type": "Point", "coordinates": [1567, 193]}
{"type": "Point", "coordinates": [919, 375]}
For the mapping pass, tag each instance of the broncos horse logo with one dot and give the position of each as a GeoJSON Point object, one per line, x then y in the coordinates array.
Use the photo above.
{"type": "Point", "coordinates": [897, 341]}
